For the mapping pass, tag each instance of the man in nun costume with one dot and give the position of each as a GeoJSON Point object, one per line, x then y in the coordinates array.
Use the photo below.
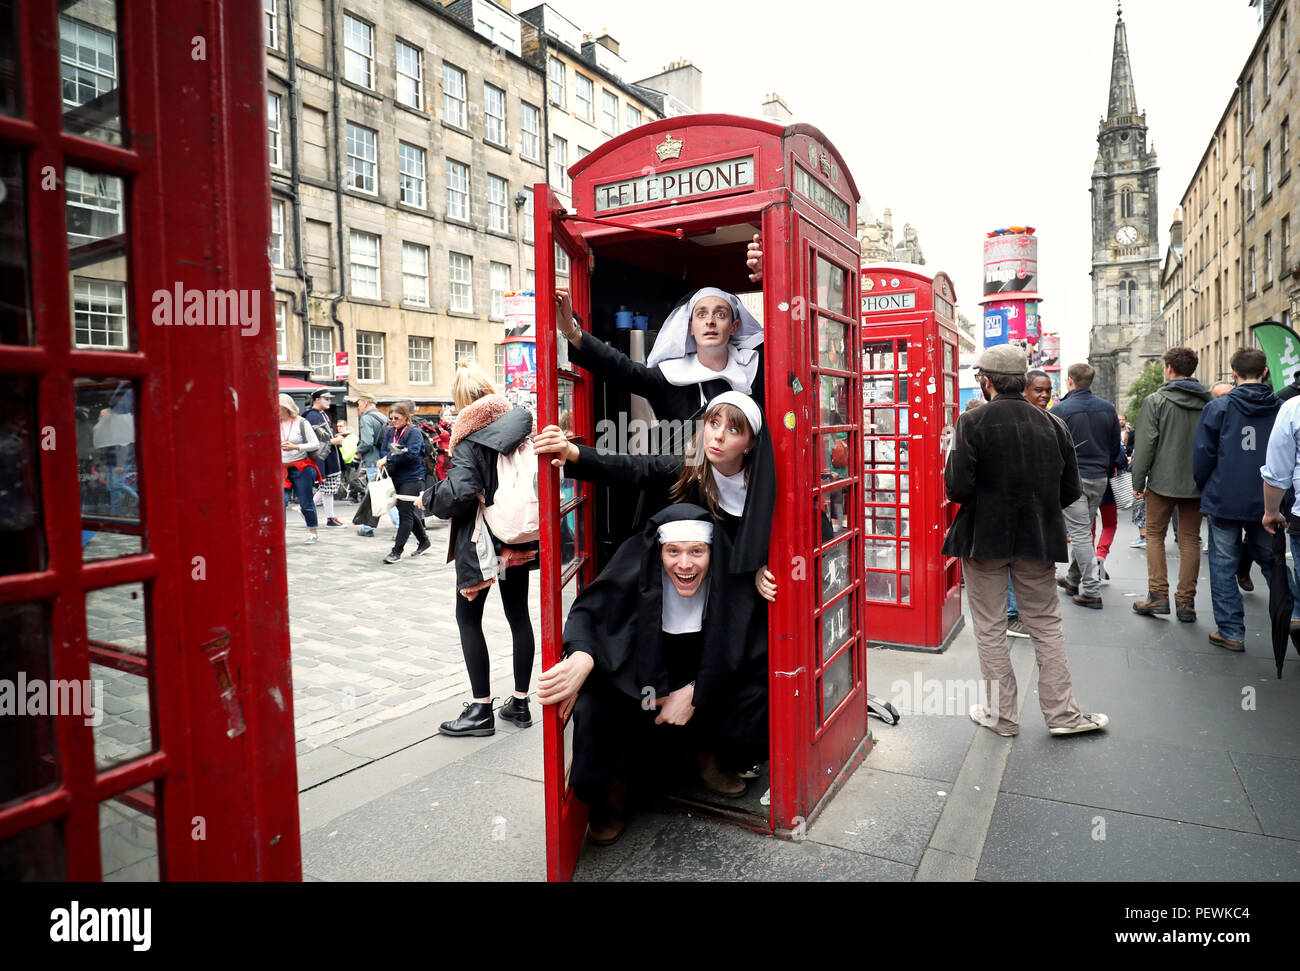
{"type": "Point", "coordinates": [709, 344]}
{"type": "Point", "coordinates": [654, 666]}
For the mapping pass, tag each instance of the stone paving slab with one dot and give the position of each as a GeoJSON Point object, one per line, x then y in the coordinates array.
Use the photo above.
{"type": "Point", "coordinates": [347, 649]}
{"type": "Point", "coordinates": [1041, 839]}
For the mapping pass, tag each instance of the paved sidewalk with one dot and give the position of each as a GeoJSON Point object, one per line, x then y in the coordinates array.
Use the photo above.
{"type": "Point", "coordinates": [372, 643]}
{"type": "Point", "coordinates": [1188, 783]}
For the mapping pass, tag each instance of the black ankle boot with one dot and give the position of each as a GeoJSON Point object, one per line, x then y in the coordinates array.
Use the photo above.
{"type": "Point", "coordinates": [515, 711]}
{"type": "Point", "coordinates": [476, 719]}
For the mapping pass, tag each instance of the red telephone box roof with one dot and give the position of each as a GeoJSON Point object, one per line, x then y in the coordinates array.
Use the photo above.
{"type": "Point", "coordinates": [682, 122]}
{"type": "Point", "coordinates": [698, 159]}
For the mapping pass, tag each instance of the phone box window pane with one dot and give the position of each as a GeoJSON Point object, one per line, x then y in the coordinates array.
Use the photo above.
{"type": "Point", "coordinates": [831, 351]}
{"type": "Point", "coordinates": [36, 854]}
{"type": "Point", "coordinates": [834, 401]}
{"type": "Point", "coordinates": [837, 682]}
{"type": "Point", "coordinates": [111, 495]}
{"type": "Point", "coordinates": [22, 531]}
{"type": "Point", "coordinates": [834, 571]}
{"type": "Point", "coordinates": [836, 626]}
{"type": "Point", "coordinates": [128, 836]}
{"type": "Point", "coordinates": [117, 631]}
{"type": "Point", "coordinates": [89, 70]}
{"type": "Point", "coordinates": [15, 291]}
{"type": "Point", "coordinates": [30, 764]}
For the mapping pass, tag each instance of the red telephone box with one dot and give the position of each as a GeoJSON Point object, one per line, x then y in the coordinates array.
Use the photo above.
{"type": "Point", "coordinates": [141, 536]}
{"type": "Point", "coordinates": [661, 210]}
{"type": "Point", "coordinates": [910, 400]}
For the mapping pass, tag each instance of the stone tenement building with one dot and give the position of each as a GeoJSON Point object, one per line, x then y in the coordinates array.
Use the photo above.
{"type": "Point", "coordinates": [1270, 282]}
{"type": "Point", "coordinates": [405, 137]}
{"type": "Point", "coordinates": [1203, 299]}
{"type": "Point", "coordinates": [1125, 244]}
{"type": "Point", "coordinates": [1238, 264]}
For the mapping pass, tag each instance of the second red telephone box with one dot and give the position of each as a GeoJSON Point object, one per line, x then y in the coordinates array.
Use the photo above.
{"type": "Point", "coordinates": [910, 396]}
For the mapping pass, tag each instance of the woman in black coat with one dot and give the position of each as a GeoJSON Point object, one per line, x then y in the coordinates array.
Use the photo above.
{"type": "Point", "coordinates": [487, 426]}
{"type": "Point", "coordinates": [402, 448]}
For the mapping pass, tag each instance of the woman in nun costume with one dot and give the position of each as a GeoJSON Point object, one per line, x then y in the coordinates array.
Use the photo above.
{"type": "Point", "coordinates": [651, 666]}
{"type": "Point", "coordinates": [733, 482]}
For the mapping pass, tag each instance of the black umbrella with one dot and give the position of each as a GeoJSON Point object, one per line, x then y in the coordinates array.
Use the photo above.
{"type": "Point", "coordinates": [1280, 600]}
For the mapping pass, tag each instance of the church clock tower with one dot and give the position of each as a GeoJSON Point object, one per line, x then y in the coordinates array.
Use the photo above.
{"type": "Point", "coordinates": [1125, 246]}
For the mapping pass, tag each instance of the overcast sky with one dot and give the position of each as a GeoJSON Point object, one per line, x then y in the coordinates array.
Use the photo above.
{"type": "Point", "coordinates": [961, 116]}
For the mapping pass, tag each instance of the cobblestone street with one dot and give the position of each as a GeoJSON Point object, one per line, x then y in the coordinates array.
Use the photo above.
{"type": "Point", "coordinates": [372, 642]}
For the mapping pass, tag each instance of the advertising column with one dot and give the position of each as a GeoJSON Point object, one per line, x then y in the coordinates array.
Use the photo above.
{"type": "Point", "coordinates": [1011, 300]}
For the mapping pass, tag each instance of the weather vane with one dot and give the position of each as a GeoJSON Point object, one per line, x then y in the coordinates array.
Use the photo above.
{"type": "Point", "coordinates": [1119, 9]}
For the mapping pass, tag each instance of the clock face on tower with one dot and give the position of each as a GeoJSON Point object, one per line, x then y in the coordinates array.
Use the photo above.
{"type": "Point", "coordinates": [1126, 235]}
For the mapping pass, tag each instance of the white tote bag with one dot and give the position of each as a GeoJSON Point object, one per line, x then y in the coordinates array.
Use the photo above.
{"type": "Point", "coordinates": [383, 494]}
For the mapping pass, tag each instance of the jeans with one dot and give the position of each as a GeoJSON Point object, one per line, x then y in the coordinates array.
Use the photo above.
{"type": "Point", "coordinates": [302, 480]}
{"type": "Point", "coordinates": [1225, 559]}
{"type": "Point", "coordinates": [117, 487]}
{"type": "Point", "coordinates": [1293, 575]}
{"type": "Point", "coordinates": [1084, 569]}
{"type": "Point", "coordinates": [1012, 609]}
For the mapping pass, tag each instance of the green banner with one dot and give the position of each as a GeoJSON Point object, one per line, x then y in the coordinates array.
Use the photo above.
{"type": "Point", "coordinates": [1281, 345]}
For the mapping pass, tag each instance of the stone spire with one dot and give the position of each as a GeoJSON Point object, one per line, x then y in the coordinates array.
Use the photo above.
{"type": "Point", "coordinates": [1123, 101]}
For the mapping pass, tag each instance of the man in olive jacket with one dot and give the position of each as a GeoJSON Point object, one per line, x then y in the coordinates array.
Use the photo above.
{"type": "Point", "coordinates": [1012, 467]}
{"type": "Point", "coordinates": [1162, 471]}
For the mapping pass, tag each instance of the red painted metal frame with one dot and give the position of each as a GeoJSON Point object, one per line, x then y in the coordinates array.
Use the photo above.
{"type": "Point", "coordinates": [802, 749]}
{"type": "Point", "coordinates": [934, 612]}
{"type": "Point", "coordinates": [566, 815]}
{"type": "Point", "coordinates": [192, 206]}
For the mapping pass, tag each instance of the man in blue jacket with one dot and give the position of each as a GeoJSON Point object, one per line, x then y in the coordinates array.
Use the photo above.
{"type": "Point", "coordinates": [1094, 426]}
{"type": "Point", "coordinates": [1233, 432]}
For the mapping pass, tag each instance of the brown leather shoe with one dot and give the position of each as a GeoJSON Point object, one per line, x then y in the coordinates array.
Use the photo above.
{"type": "Point", "coordinates": [1218, 640]}
{"type": "Point", "coordinates": [609, 816]}
{"type": "Point", "coordinates": [1152, 605]}
{"type": "Point", "coordinates": [1186, 614]}
{"type": "Point", "coordinates": [604, 828]}
{"type": "Point", "coordinates": [1067, 586]}
{"type": "Point", "coordinates": [1083, 600]}
{"type": "Point", "coordinates": [719, 780]}
{"type": "Point", "coordinates": [1245, 582]}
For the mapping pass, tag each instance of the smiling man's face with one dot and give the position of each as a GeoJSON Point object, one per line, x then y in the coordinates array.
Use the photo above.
{"type": "Point", "coordinates": [687, 564]}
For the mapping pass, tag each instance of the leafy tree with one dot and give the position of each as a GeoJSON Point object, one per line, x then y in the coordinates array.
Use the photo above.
{"type": "Point", "coordinates": [1151, 378]}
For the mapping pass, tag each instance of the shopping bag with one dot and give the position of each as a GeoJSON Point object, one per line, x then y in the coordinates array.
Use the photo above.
{"type": "Point", "coordinates": [1121, 486]}
{"type": "Point", "coordinates": [383, 494]}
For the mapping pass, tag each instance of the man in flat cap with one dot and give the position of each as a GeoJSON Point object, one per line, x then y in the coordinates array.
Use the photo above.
{"type": "Point", "coordinates": [1012, 468]}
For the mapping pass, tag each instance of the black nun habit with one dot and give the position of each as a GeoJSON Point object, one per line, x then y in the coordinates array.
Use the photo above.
{"type": "Point", "coordinates": [619, 621]}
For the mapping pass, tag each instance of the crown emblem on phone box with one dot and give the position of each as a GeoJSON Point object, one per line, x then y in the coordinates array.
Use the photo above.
{"type": "Point", "coordinates": [669, 148]}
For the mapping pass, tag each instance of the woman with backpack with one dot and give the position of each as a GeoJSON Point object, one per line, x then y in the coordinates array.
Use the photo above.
{"type": "Point", "coordinates": [488, 430]}
{"type": "Point", "coordinates": [297, 442]}
{"type": "Point", "coordinates": [403, 446]}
